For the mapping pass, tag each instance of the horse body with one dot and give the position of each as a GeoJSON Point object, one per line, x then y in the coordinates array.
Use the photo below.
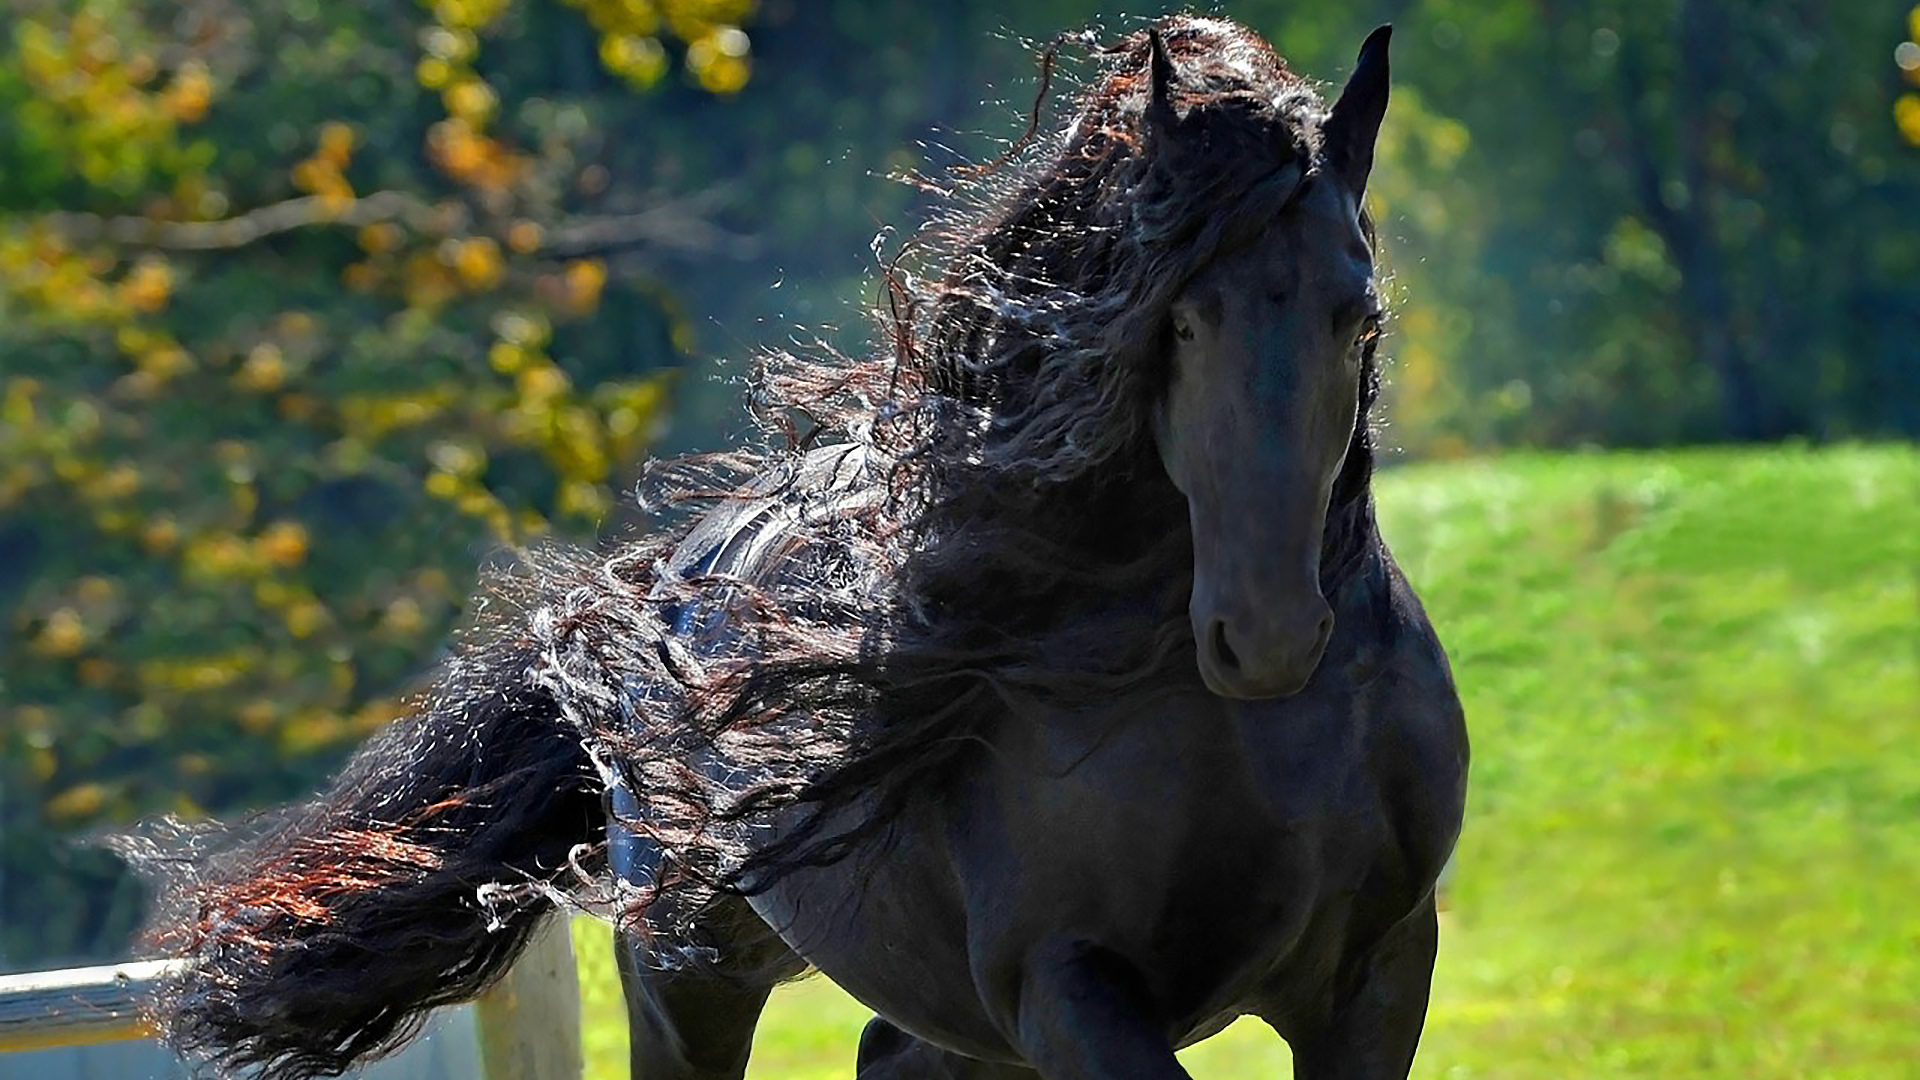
{"type": "Point", "coordinates": [1065, 706]}
{"type": "Point", "coordinates": [1307, 835]}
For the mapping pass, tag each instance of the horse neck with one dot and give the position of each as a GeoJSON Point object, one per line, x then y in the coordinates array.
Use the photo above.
{"type": "Point", "coordinates": [1352, 533]}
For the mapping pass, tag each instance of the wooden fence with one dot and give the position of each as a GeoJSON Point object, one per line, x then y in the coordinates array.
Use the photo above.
{"type": "Point", "coordinates": [528, 1024]}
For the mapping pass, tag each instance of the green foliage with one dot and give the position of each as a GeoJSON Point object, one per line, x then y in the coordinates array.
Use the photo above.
{"type": "Point", "coordinates": [336, 300]}
{"type": "Point", "coordinates": [1691, 680]}
{"type": "Point", "coordinates": [1634, 222]}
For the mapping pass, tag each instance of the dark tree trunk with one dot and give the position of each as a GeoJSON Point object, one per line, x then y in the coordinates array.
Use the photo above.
{"type": "Point", "coordinates": [1682, 210]}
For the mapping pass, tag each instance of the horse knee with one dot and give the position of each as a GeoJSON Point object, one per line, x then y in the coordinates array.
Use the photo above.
{"type": "Point", "coordinates": [880, 1043]}
{"type": "Point", "coordinates": [887, 1053]}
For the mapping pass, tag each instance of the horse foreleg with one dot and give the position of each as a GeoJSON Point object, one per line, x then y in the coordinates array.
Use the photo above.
{"type": "Point", "coordinates": [1373, 1032]}
{"type": "Point", "coordinates": [1080, 1013]}
{"type": "Point", "coordinates": [887, 1053]}
{"type": "Point", "coordinates": [697, 1023]}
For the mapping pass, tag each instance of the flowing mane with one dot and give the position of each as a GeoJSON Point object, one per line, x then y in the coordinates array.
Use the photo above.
{"type": "Point", "coordinates": [997, 513]}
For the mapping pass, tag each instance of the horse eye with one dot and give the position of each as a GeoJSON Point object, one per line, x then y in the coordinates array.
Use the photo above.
{"type": "Point", "coordinates": [1369, 331]}
{"type": "Point", "coordinates": [1182, 329]}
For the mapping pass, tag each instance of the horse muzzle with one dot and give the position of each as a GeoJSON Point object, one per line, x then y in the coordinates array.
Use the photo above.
{"type": "Point", "coordinates": [1255, 655]}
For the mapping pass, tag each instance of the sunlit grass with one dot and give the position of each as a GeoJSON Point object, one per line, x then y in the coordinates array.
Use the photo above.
{"type": "Point", "coordinates": [1694, 685]}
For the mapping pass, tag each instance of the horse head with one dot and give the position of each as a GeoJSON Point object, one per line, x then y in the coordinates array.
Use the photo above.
{"type": "Point", "coordinates": [1266, 349]}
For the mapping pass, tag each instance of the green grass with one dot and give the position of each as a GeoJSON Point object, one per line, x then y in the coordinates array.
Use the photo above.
{"type": "Point", "coordinates": [1693, 849]}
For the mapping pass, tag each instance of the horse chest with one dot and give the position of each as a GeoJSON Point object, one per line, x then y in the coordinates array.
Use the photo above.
{"type": "Point", "coordinates": [1173, 850]}
{"type": "Point", "coordinates": [1200, 844]}
{"type": "Point", "coordinates": [1203, 848]}
{"type": "Point", "coordinates": [1232, 853]}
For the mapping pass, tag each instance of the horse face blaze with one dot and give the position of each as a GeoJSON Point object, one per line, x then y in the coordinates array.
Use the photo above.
{"type": "Point", "coordinates": [1259, 412]}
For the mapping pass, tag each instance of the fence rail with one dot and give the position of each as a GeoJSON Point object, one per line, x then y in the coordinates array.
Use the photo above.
{"type": "Point", "coordinates": [40, 1010]}
{"type": "Point", "coordinates": [528, 1023]}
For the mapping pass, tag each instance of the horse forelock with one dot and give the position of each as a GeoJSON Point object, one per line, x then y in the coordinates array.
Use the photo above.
{"type": "Point", "coordinates": [1048, 315]}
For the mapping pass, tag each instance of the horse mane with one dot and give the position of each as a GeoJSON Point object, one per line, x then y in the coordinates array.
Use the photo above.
{"type": "Point", "coordinates": [996, 533]}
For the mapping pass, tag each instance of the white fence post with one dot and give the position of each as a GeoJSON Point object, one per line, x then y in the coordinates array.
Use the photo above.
{"type": "Point", "coordinates": [529, 1021]}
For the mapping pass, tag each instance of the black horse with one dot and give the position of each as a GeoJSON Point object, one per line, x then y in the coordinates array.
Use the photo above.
{"type": "Point", "coordinates": [1047, 686]}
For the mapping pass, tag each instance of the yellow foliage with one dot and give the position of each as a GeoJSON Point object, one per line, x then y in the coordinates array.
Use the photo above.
{"type": "Point", "coordinates": [147, 286]}
{"type": "Point", "coordinates": [305, 618]}
{"type": "Point", "coordinates": [630, 38]}
{"type": "Point", "coordinates": [110, 119]}
{"type": "Point", "coordinates": [718, 59]}
{"type": "Point", "coordinates": [458, 458]}
{"type": "Point", "coordinates": [265, 368]}
{"type": "Point", "coordinates": [471, 100]}
{"type": "Point", "coordinates": [506, 357]}
{"type": "Point", "coordinates": [94, 672]}
{"type": "Point", "coordinates": [160, 534]}
{"type": "Point", "coordinates": [541, 383]}
{"type": "Point", "coordinates": [467, 14]}
{"type": "Point", "coordinates": [258, 716]}
{"type": "Point", "coordinates": [524, 237]}
{"type": "Point", "coordinates": [457, 46]}
{"type": "Point", "coordinates": [207, 497]}
{"type": "Point", "coordinates": [478, 263]}
{"type": "Point", "coordinates": [582, 499]}
{"type": "Point", "coordinates": [165, 362]}
{"type": "Point", "coordinates": [298, 408]}
{"type": "Point", "coordinates": [458, 147]}
{"type": "Point", "coordinates": [117, 482]}
{"type": "Point", "coordinates": [218, 555]}
{"type": "Point", "coordinates": [77, 802]}
{"type": "Point", "coordinates": [433, 72]}
{"type": "Point", "coordinates": [309, 730]}
{"type": "Point", "coordinates": [336, 144]}
{"type": "Point", "coordinates": [375, 715]}
{"type": "Point", "coordinates": [284, 543]}
{"type": "Point", "coordinates": [637, 59]}
{"type": "Point", "coordinates": [191, 92]}
{"type": "Point", "coordinates": [63, 634]}
{"type": "Point", "coordinates": [374, 415]}
{"type": "Point", "coordinates": [1906, 115]}
{"type": "Point", "coordinates": [522, 328]}
{"type": "Point", "coordinates": [426, 282]}
{"type": "Point", "coordinates": [403, 617]}
{"type": "Point", "coordinates": [379, 237]}
{"type": "Point", "coordinates": [442, 485]}
{"type": "Point", "coordinates": [361, 277]}
{"type": "Point", "coordinates": [313, 174]}
{"type": "Point", "coordinates": [584, 279]}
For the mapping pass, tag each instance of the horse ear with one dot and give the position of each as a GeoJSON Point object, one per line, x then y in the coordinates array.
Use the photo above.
{"type": "Point", "coordinates": [1348, 135]}
{"type": "Point", "coordinates": [1161, 118]}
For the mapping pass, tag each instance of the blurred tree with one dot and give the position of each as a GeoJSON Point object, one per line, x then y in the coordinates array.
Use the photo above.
{"type": "Point", "coordinates": [1684, 217]}
{"type": "Point", "coordinates": [303, 309]}
{"type": "Point", "coordinates": [1628, 222]}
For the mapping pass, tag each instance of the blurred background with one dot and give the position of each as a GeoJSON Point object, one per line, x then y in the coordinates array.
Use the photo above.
{"type": "Point", "coordinates": [309, 308]}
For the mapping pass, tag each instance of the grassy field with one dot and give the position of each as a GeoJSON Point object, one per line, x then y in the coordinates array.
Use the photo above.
{"type": "Point", "coordinates": [1693, 849]}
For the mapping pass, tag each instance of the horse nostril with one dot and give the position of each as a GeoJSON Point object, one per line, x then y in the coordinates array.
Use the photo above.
{"type": "Point", "coordinates": [1326, 632]}
{"type": "Point", "coordinates": [1222, 651]}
